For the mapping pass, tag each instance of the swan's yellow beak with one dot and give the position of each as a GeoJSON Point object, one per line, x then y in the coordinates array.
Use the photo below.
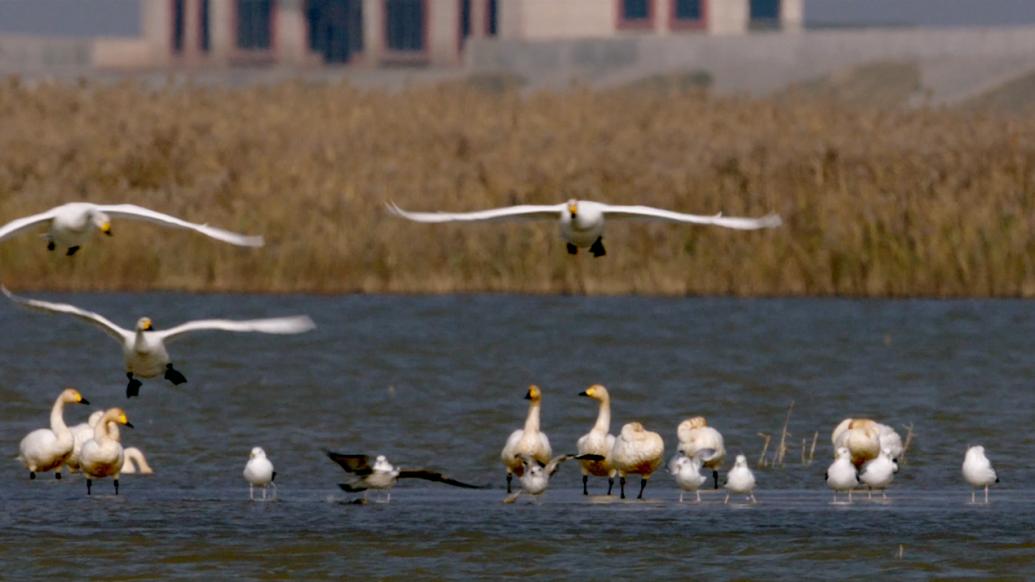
{"type": "Point", "coordinates": [106, 228]}
{"type": "Point", "coordinates": [533, 393]}
{"type": "Point", "coordinates": [125, 421]}
{"type": "Point", "coordinates": [591, 392]}
{"type": "Point", "coordinates": [147, 325]}
{"type": "Point", "coordinates": [79, 398]}
{"type": "Point", "coordinates": [573, 208]}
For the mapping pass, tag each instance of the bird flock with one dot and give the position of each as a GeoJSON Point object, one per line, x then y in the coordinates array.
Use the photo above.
{"type": "Point", "coordinates": [866, 451]}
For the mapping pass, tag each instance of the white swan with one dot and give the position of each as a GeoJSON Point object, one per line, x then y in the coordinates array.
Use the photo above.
{"type": "Point", "coordinates": [878, 473]}
{"type": "Point", "coordinates": [71, 225]}
{"type": "Point", "coordinates": [598, 441]}
{"type": "Point", "coordinates": [582, 221]}
{"type": "Point", "coordinates": [637, 451]}
{"type": "Point", "coordinates": [135, 461]}
{"type": "Point", "coordinates": [535, 477]}
{"type": "Point", "coordinates": [143, 350]}
{"type": "Point", "coordinates": [978, 471]}
{"type": "Point", "coordinates": [865, 439]}
{"type": "Point", "coordinates": [382, 475]}
{"type": "Point", "coordinates": [695, 436]}
{"type": "Point", "coordinates": [102, 455]}
{"type": "Point", "coordinates": [687, 472]}
{"type": "Point", "coordinates": [526, 442]}
{"type": "Point", "coordinates": [740, 480]}
{"type": "Point", "coordinates": [45, 449]}
{"type": "Point", "coordinates": [842, 474]}
{"type": "Point", "coordinates": [258, 471]}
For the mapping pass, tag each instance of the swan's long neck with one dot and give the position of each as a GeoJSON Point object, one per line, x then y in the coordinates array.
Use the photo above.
{"type": "Point", "coordinates": [603, 417]}
{"type": "Point", "coordinates": [57, 418]}
{"type": "Point", "coordinates": [532, 422]}
{"type": "Point", "coordinates": [139, 341]}
{"type": "Point", "coordinates": [100, 430]}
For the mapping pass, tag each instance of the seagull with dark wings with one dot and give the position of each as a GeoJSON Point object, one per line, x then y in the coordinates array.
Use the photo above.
{"type": "Point", "coordinates": [382, 475]}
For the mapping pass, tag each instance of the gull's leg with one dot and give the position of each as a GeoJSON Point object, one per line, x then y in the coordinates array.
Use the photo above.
{"type": "Point", "coordinates": [643, 485]}
{"type": "Point", "coordinates": [572, 249]}
{"type": "Point", "coordinates": [251, 492]}
{"type": "Point", "coordinates": [849, 496]}
{"type": "Point", "coordinates": [610, 484]}
{"type": "Point", "coordinates": [715, 477]}
{"type": "Point", "coordinates": [680, 495]}
{"type": "Point", "coordinates": [698, 495]}
{"type": "Point", "coordinates": [585, 480]}
{"type": "Point", "coordinates": [973, 497]}
{"type": "Point", "coordinates": [869, 493]}
{"type": "Point", "coordinates": [274, 493]}
{"type": "Point", "coordinates": [71, 251]}
{"type": "Point", "coordinates": [389, 500]}
{"type": "Point", "coordinates": [835, 497]}
{"type": "Point", "coordinates": [621, 485]}
{"type": "Point", "coordinates": [986, 494]}
{"type": "Point", "coordinates": [884, 494]}
{"type": "Point", "coordinates": [174, 375]}
{"type": "Point", "coordinates": [753, 500]}
{"type": "Point", "coordinates": [727, 501]}
{"type": "Point", "coordinates": [598, 247]}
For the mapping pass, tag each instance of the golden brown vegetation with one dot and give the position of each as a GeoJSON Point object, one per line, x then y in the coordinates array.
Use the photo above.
{"type": "Point", "coordinates": [876, 202]}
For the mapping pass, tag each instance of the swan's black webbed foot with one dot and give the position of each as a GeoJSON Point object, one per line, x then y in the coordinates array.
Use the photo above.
{"type": "Point", "coordinates": [598, 248]}
{"type": "Point", "coordinates": [133, 388]}
{"type": "Point", "coordinates": [72, 250]}
{"type": "Point", "coordinates": [174, 376]}
{"type": "Point", "coordinates": [572, 249]}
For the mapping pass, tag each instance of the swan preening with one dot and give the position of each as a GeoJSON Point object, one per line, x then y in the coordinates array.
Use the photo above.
{"type": "Point", "coordinates": [71, 225]}
{"type": "Point", "coordinates": [865, 438]}
{"type": "Point", "coordinates": [695, 436]}
{"type": "Point", "coordinates": [598, 441]}
{"type": "Point", "coordinates": [528, 441]}
{"type": "Point", "coordinates": [258, 472]}
{"type": "Point", "coordinates": [637, 451]}
{"type": "Point", "coordinates": [46, 449]}
{"type": "Point", "coordinates": [143, 349]}
{"type": "Point", "coordinates": [842, 474]}
{"type": "Point", "coordinates": [382, 475]}
{"type": "Point", "coordinates": [102, 455]}
{"type": "Point", "coordinates": [582, 221]}
{"type": "Point", "coordinates": [978, 471]}
{"type": "Point", "coordinates": [535, 476]}
{"type": "Point", "coordinates": [740, 480]}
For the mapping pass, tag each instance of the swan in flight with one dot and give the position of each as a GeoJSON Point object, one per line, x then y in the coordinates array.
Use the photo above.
{"type": "Point", "coordinates": [695, 436]}
{"type": "Point", "coordinates": [582, 221]}
{"type": "Point", "coordinates": [47, 449]}
{"type": "Point", "coordinates": [526, 442]}
{"type": "Point", "coordinates": [740, 480]}
{"type": "Point", "coordinates": [978, 471]}
{"type": "Point", "coordinates": [382, 475]}
{"type": "Point", "coordinates": [687, 472]}
{"type": "Point", "coordinates": [102, 455]}
{"type": "Point", "coordinates": [598, 441]}
{"type": "Point", "coordinates": [878, 473]}
{"type": "Point", "coordinates": [143, 349]}
{"type": "Point", "coordinates": [535, 477]}
{"type": "Point", "coordinates": [637, 451]}
{"type": "Point", "coordinates": [71, 225]}
{"type": "Point", "coordinates": [842, 474]}
{"type": "Point", "coordinates": [258, 472]}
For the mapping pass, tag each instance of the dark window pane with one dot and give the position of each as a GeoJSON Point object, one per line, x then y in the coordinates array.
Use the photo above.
{"type": "Point", "coordinates": [635, 9]}
{"type": "Point", "coordinates": [335, 28]}
{"type": "Point", "coordinates": [688, 9]}
{"type": "Point", "coordinates": [493, 18]}
{"type": "Point", "coordinates": [253, 23]}
{"type": "Point", "coordinates": [178, 25]}
{"type": "Point", "coordinates": [765, 9]}
{"type": "Point", "coordinates": [205, 41]}
{"type": "Point", "coordinates": [405, 24]}
{"type": "Point", "coordinates": [465, 18]}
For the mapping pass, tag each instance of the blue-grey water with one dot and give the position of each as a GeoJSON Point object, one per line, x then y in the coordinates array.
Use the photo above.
{"type": "Point", "coordinates": [439, 381]}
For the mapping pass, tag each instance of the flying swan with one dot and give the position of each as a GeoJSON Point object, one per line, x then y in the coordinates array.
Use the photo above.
{"type": "Point", "coordinates": [143, 349]}
{"type": "Point", "coordinates": [582, 221]}
{"type": "Point", "coordinates": [71, 225]}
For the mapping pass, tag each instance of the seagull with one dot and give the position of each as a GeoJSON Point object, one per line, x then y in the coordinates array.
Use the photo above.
{"type": "Point", "coordinates": [102, 455]}
{"type": "Point", "coordinates": [45, 449]}
{"type": "Point", "coordinates": [535, 477]}
{"type": "Point", "coordinates": [978, 471]}
{"type": "Point", "coordinates": [842, 474]}
{"type": "Point", "coordinates": [383, 475]}
{"type": "Point", "coordinates": [878, 473]}
{"type": "Point", "coordinates": [258, 471]}
{"type": "Point", "coordinates": [687, 471]}
{"type": "Point", "coordinates": [740, 480]}
{"type": "Point", "coordinates": [143, 349]}
{"type": "Point", "coordinates": [582, 221]}
{"type": "Point", "coordinates": [71, 225]}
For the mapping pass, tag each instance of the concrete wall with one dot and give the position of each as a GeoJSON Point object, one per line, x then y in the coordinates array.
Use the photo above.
{"type": "Point", "coordinates": [544, 19]}
{"type": "Point", "coordinates": [443, 26]}
{"type": "Point", "coordinates": [728, 16]}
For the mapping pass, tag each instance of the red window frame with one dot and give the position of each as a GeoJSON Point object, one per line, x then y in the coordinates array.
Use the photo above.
{"type": "Point", "coordinates": [622, 23]}
{"type": "Point", "coordinates": [676, 23]}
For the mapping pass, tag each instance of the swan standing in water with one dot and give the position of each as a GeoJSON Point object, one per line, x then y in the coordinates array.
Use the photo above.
{"type": "Point", "coordinates": [258, 472]}
{"type": "Point", "coordinates": [382, 475]}
{"type": "Point", "coordinates": [687, 472]}
{"type": "Point", "coordinates": [842, 474]}
{"type": "Point", "coordinates": [582, 221]}
{"type": "Point", "coordinates": [696, 436]}
{"type": "Point", "coordinates": [143, 349]}
{"type": "Point", "coordinates": [978, 472]}
{"type": "Point", "coordinates": [135, 461]}
{"type": "Point", "coordinates": [535, 477]}
{"type": "Point", "coordinates": [598, 441]}
{"type": "Point", "coordinates": [71, 225]}
{"type": "Point", "coordinates": [45, 449]}
{"type": "Point", "coordinates": [740, 480]}
{"type": "Point", "coordinates": [878, 473]}
{"type": "Point", "coordinates": [637, 451]}
{"type": "Point", "coordinates": [865, 438]}
{"type": "Point", "coordinates": [526, 442]}
{"type": "Point", "coordinates": [102, 455]}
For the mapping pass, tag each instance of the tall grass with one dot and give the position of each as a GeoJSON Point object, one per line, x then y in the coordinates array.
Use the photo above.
{"type": "Point", "coordinates": [876, 202]}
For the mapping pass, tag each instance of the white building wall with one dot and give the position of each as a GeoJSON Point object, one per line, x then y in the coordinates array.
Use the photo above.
{"type": "Point", "coordinates": [546, 19]}
{"type": "Point", "coordinates": [728, 16]}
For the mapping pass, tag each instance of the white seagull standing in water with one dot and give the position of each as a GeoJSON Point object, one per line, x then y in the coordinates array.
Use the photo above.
{"type": "Point", "coordinates": [143, 349]}
{"type": "Point", "coordinates": [582, 221]}
{"type": "Point", "coordinates": [382, 475]}
{"type": "Point", "coordinates": [687, 472]}
{"type": "Point", "coordinates": [258, 472]}
{"type": "Point", "coordinates": [842, 474]}
{"type": "Point", "coordinates": [536, 477]}
{"type": "Point", "coordinates": [740, 480]}
{"type": "Point", "coordinates": [878, 473]}
{"type": "Point", "coordinates": [978, 471]}
{"type": "Point", "coordinates": [71, 225]}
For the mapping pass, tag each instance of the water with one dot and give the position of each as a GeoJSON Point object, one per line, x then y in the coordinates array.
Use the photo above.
{"type": "Point", "coordinates": [439, 381]}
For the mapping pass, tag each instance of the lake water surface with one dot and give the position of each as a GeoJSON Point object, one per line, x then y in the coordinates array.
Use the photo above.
{"type": "Point", "coordinates": [439, 381]}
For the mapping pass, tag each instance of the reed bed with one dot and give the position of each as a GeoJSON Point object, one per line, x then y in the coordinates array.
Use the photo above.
{"type": "Point", "coordinates": [876, 202]}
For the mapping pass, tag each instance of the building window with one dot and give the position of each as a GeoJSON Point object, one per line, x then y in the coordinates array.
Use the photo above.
{"type": "Point", "coordinates": [254, 24]}
{"type": "Point", "coordinates": [635, 13]}
{"type": "Point", "coordinates": [404, 25]}
{"type": "Point", "coordinates": [178, 25]}
{"type": "Point", "coordinates": [491, 17]}
{"type": "Point", "coordinates": [335, 28]}
{"type": "Point", "coordinates": [765, 13]}
{"type": "Point", "coordinates": [465, 21]}
{"type": "Point", "coordinates": [206, 42]}
{"type": "Point", "coordinates": [688, 13]}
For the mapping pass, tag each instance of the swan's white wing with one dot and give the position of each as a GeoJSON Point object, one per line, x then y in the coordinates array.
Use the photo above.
{"type": "Point", "coordinates": [15, 226]}
{"type": "Point", "coordinates": [276, 325]}
{"type": "Point", "coordinates": [651, 213]}
{"type": "Point", "coordinates": [140, 213]}
{"type": "Point", "coordinates": [506, 213]}
{"type": "Point", "coordinates": [98, 320]}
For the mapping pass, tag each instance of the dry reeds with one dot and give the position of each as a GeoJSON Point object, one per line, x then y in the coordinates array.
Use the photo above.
{"type": "Point", "coordinates": [879, 203]}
